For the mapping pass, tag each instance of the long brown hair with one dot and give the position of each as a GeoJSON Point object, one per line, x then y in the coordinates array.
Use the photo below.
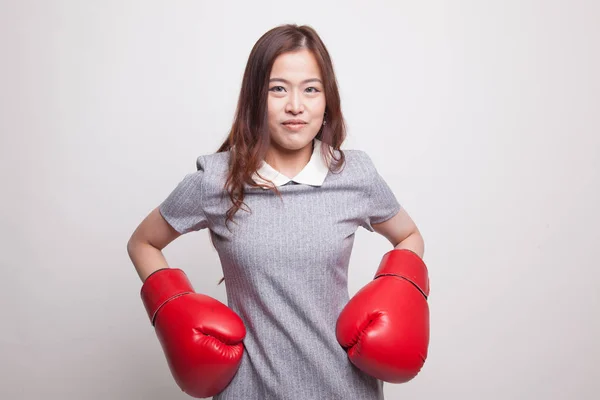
{"type": "Point", "coordinates": [249, 139]}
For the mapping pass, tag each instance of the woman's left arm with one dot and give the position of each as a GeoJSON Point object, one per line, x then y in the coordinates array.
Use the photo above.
{"type": "Point", "coordinates": [402, 232]}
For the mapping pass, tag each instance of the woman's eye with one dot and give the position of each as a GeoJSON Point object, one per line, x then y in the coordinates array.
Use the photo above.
{"type": "Point", "coordinates": [277, 89]}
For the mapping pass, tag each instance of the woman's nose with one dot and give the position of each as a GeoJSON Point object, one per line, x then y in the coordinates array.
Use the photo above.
{"type": "Point", "coordinates": [295, 103]}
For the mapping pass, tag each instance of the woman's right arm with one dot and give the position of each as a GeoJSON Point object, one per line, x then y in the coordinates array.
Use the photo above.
{"type": "Point", "coordinates": [147, 241]}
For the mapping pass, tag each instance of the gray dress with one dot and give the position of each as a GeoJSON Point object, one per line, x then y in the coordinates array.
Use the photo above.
{"type": "Point", "coordinates": [286, 268]}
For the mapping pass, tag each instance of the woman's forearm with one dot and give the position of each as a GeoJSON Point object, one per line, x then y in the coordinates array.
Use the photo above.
{"type": "Point", "coordinates": [146, 258]}
{"type": "Point", "coordinates": [413, 242]}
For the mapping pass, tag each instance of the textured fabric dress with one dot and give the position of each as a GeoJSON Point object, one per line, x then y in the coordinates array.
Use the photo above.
{"type": "Point", "coordinates": [286, 267]}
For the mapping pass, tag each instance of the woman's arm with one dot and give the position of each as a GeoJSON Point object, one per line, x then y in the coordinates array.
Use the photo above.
{"type": "Point", "coordinates": [146, 243]}
{"type": "Point", "coordinates": [402, 232]}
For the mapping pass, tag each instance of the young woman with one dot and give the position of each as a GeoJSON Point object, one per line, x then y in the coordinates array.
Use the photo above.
{"type": "Point", "coordinates": [282, 202]}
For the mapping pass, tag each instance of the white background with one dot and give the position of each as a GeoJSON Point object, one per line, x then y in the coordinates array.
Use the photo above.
{"type": "Point", "coordinates": [483, 117]}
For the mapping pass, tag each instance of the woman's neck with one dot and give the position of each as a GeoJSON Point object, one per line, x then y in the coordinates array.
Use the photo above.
{"type": "Point", "coordinates": [289, 163]}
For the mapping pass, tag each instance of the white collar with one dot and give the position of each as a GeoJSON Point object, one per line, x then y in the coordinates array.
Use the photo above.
{"type": "Point", "coordinates": [313, 173]}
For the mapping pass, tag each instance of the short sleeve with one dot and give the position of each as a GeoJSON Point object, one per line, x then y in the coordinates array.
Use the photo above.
{"type": "Point", "coordinates": [183, 207]}
{"type": "Point", "coordinates": [381, 201]}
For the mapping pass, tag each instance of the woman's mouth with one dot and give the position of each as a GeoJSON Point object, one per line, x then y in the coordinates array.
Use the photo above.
{"type": "Point", "coordinates": [294, 126]}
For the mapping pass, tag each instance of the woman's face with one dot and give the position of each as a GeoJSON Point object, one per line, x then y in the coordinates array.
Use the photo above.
{"type": "Point", "coordinates": [296, 92]}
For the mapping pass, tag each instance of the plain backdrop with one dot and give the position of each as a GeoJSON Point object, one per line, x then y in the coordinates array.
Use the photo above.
{"type": "Point", "coordinates": [482, 116]}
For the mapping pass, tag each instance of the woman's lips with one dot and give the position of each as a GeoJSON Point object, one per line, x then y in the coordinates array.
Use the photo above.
{"type": "Point", "coordinates": [294, 127]}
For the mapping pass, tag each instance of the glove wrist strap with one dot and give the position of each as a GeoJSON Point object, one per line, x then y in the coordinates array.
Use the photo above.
{"type": "Point", "coordinates": [162, 286]}
{"type": "Point", "coordinates": [407, 265]}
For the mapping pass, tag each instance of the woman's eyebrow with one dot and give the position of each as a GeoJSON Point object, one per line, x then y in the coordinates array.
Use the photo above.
{"type": "Point", "coordinates": [286, 81]}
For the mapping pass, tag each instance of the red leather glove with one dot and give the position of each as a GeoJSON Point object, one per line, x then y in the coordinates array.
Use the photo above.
{"type": "Point", "coordinates": [385, 326]}
{"type": "Point", "coordinates": [200, 336]}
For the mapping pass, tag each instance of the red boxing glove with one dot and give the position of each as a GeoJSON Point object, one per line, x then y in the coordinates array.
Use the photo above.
{"type": "Point", "coordinates": [385, 326]}
{"type": "Point", "coordinates": [200, 336]}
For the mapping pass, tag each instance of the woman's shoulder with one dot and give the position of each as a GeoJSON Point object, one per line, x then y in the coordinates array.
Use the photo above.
{"type": "Point", "coordinates": [213, 163]}
{"type": "Point", "coordinates": [358, 162]}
